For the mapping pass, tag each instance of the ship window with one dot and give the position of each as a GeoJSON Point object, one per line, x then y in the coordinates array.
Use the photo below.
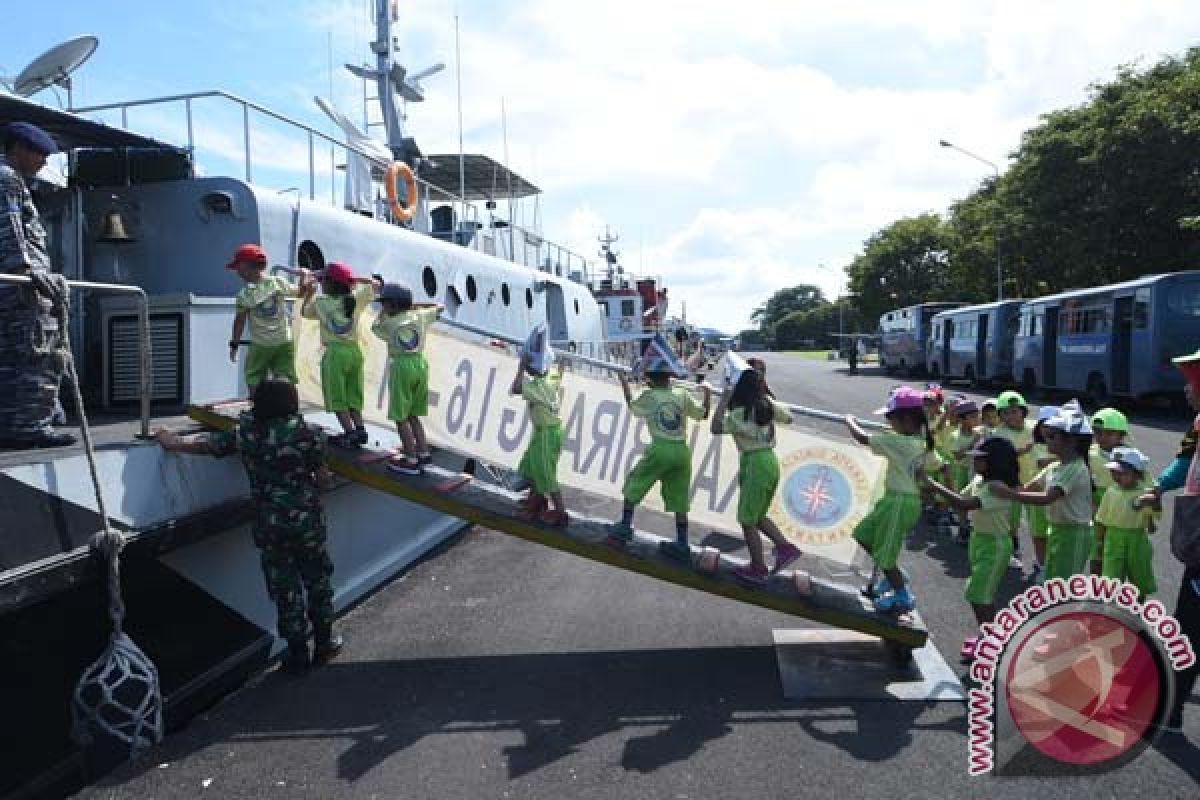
{"type": "Point", "coordinates": [472, 292]}
{"type": "Point", "coordinates": [626, 308]}
{"type": "Point", "coordinates": [429, 281]}
{"type": "Point", "coordinates": [309, 256]}
{"type": "Point", "coordinates": [576, 306]}
{"type": "Point", "coordinates": [504, 294]}
{"type": "Point", "coordinates": [529, 297]}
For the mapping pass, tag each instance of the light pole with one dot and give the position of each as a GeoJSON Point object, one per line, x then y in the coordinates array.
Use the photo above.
{"type": "Point", "coordinates": [995, 169]}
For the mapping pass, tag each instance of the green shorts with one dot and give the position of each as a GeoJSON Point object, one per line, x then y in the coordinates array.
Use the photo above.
{"type": "Point", "coordinates": [1129, 556]}
{"type": "Point", "coordinates": [342, 377]}
{"type": "Point", "coordinates": [277, 360]}
{"type": "Point", "coordinates": [1039, 526]}
{"type": "Point", "coordinates": [1067, 550]}
{"type": "Point", "coordinates": [881, 532]}
{"type": "Point", "coordinates": [666, 462]}
{"type": "Point", "coordinates": [758, 477]}
{"type": "Point", "coordinates": [540, 462]}
{"type": "Point", "coordinates": [408, 387]}
{"type": "Point", "coordinates": [988, 554]}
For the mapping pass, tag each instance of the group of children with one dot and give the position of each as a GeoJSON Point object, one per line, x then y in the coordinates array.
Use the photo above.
{"type": "Point", "coordinates": [1082, 487]}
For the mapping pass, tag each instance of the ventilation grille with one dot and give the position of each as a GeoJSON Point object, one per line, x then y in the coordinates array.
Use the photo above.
{"type": "Point", "coordinates": [124, 360]}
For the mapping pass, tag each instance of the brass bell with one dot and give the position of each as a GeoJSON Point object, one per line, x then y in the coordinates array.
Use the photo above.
{"type": "Point", "coordinates": [113, 228]}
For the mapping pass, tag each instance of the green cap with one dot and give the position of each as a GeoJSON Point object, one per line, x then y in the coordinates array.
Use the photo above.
{"type": "Point", "coordinates": [1110, 420]}
{"type": "Point", "coordinates": [1009, 399]}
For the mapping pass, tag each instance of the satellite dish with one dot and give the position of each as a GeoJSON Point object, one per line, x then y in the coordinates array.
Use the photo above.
{"type": "Point", "coordinates": [54, 67]}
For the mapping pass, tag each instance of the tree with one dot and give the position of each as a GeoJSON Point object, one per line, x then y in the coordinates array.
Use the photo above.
{"type": "Point", "coordinates": [786, 301]}
{"type": "Point", "coordinates": [903, 264]}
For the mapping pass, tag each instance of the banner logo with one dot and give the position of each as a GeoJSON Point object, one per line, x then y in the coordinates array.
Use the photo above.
{"type": "Point", "coordinates": [823, 495]}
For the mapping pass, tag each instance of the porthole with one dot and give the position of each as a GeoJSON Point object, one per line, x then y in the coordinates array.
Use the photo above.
{"type": "Point", "coordinates": [504, 294]}
{"type": "Point", "coordinates": [309, 256]}
{"type": "Point", "coordinates": [472, 292]}
{"type": "Point", "coordinates": [429, 281]}
{"type": "Point", "coordinates": [529, 297]}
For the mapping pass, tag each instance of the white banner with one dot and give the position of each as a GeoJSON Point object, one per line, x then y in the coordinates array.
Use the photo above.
{"type": "Point", "coordinates": [825, 487]}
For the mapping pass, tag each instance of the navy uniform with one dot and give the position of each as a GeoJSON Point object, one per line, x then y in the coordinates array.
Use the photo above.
{"type": "Point", "coordinates": [32, 316]}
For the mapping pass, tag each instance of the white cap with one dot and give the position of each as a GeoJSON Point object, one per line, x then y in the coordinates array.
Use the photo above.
{"type": "Point", "coordinates": [1128, 458]}
{"type": "Point", "coordinates": [1071, 419]}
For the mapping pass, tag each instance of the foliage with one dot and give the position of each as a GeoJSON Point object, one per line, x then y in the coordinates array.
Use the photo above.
{"type": "Point", "coordinates": [804, 297]}
{"type": "Point", "coordinates": [905, 263]}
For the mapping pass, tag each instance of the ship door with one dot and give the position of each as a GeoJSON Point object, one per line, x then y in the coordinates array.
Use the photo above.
{"type": "Point", "coordinates": [1122, 343]}
{"type": "Point", "coordinates": [556, 313]}
{"type": "Point", "coordinates": [1050, 348]}
{"type": "Point", "coordinates": [981, 347]}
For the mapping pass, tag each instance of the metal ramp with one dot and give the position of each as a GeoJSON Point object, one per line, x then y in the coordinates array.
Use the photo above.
{"type": "Point", "coordinates": [796, 593]}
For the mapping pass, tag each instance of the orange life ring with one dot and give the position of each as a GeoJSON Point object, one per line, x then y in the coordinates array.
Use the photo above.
{"type": "Point", "coordinates": [399, 168]}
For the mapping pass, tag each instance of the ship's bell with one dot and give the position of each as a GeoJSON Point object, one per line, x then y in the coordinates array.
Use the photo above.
{"type": "Point", "coordinates": [113, 228]}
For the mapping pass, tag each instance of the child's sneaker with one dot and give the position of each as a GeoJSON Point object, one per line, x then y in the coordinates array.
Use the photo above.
{"type": "Point", "coordinates": [533, 502]}
{"type": "Point", "coordinates": [553, 516]}
{"type": "Point", "coordinates": [676, 551]}
{"type": "Point", "coordinates": [896, 602]}
{"type": "Point", "coordinates": [619, 532]}
{"type": "Point", "coordinates": [877, 589]}
{"type": "Point", "coordinates": [785, 556]}
{"type": "Point", "coordinates": [405, 466]}
{"type": "Point", "coordinates": [361, 437]}
{"type": "Point", "coordinates": [749, 573]}
{"type": "Point", "coordinates": [1015, 561]}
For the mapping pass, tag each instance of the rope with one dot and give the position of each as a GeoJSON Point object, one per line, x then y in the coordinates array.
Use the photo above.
{"type": "Point", "coordinates": [118, 695]}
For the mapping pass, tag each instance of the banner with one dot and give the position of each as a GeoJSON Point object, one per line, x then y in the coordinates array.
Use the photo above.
{"type": "Point", "coordinates": [826, 486]}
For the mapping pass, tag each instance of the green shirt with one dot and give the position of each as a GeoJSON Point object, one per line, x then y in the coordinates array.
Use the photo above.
{"type": "Point", "coordinates": [265, 306]}
{"type": "Point", "coordinates": [1075, 506]}
{"type": "Point", "coordinates": [957, 441]}
{"type": "Point", "coordinates": [666, 412]}
{"type": "Point", "coordinates": [330, 311]}
{"type": "Point", "coordinates": [1026, 462]}
{"type": "Point", "coordinates": [1117, 511]}
{"type": "Point", "coordinates": [544, 396]}
{"type": "Point", "coordinates": [406, 332]}
{"type": "Point", "coordinates": [747, 434]}
{"type": "Point", "coordinates": [1097, 458]}
{"type": "Point", "coordinates": [906, 458]}
{"type": "Point", "coordinates": [994, 514]}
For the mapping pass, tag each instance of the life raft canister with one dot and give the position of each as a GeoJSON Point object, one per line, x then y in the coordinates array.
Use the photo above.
{"type": "Point", "coordinates": [400, 169]}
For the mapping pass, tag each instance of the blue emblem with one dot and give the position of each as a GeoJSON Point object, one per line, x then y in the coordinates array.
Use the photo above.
{"type": "Point", "coordinates": [340, 328]}
{"type": "Point", "coordinates": [268, 308]}
{"type": "Point", "coordinates": [669, 417]}
{"type": "Point", "coordinates": [407, 338]}
{"type": "Point", "coordinates": [818, 495]}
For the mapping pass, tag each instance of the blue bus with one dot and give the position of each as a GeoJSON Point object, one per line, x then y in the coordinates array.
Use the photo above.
{"type": "Point", "coordinates": [902, 337]}
{"type": "Point", "coordinates": [1115, 340]}
{"type": "Point", "coordinates": [974, 343]}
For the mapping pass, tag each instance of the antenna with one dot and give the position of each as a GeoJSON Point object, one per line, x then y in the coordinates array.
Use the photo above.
{"type": "Point", "coordinates": [54, 67]}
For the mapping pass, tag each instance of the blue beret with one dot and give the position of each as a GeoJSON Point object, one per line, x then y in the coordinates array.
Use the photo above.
{"type": "Point", "coordinates": [396, 293]}
{"type": "Point", "coordinates": [32, 137]}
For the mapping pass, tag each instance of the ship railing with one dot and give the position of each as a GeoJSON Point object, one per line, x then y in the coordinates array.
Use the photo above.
{"type": "Point", "coordinates": [145, 362]}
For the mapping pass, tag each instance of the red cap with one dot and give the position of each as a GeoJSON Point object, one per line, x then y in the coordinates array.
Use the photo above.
{"type": "Point", "coordinates": [249, 253]}
{"type": "Point", "coordinates": [338, 272]}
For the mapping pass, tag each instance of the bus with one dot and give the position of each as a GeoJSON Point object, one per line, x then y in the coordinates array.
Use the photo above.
{"type": "Point", "coordinates": [974, 343]}
{"type": "Point", "coordinates": [1115, 340]}
{"type": "Point", "coordinates": [902, 337]}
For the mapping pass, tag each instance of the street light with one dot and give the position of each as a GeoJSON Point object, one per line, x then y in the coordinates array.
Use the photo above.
{"type": "Point", "coordinates": [995, 169]}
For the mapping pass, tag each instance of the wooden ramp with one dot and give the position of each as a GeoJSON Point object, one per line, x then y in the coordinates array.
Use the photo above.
{"type": "Point", "coordinates": [792, 592]}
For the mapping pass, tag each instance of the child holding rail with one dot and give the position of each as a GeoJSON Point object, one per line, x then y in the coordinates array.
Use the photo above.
{"type": "Point", "coordinates": [1125, 523]}
{"type": "Point", "coordinates": [882, 531]}
{"type": "Point", "coordinates": [404, 326]}
{"type": "Point", "coordinates": [747, 413]}
{"type": "Point", "coordinates": [262, 303]}
{"type": "Point", "coordinates": [994, 459]}
{"type": "Point", "coordinates": [542, 392]}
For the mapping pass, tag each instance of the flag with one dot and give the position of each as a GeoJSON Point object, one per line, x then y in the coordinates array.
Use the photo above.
{"type": "Point", "coordinates": [537, 347]}
{"type": "Point", "coordinates": [732, 369]}
{"type": "Point", "coordinates": [659, 357]}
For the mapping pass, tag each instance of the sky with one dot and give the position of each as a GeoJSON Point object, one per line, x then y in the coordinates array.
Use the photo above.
{"type": "Point", "coordinates": [735, 149]}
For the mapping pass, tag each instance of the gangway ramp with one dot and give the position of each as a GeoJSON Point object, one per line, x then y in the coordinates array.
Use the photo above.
{"type": "Point", "coordinates": [793, 592]}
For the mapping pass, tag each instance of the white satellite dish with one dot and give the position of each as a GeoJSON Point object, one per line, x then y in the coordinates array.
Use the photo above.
{"type": "Point", "coordinates": [54, 67]}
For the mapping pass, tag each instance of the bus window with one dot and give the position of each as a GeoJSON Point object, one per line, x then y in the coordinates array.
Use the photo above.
{"type": "Point", "coordinates": [1036, 325]}
{"type": "Point", "coordinates": [1141, 309]}
{"type": "Point", "coordinates": [1184, 299]}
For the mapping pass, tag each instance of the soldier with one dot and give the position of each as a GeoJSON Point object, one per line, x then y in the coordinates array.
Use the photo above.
{"type": "Point", "coordinates": [31, 315]}
{"type": "Point", "coordinates": [284, 459]}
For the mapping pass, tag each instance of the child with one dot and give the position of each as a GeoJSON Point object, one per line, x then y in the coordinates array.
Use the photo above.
{"type": "Point", "coordinates": [991, 527]}
{"type": "Point", "coordinates": [262, 301]}
{"type": "Point", "coordinates": [543, 394]}
{"type": "Point", "coordinates": [1110, 427]}
{"type": "Point", "coordinates": [939, 424]}
{"type": "Point", "coordinates": [1039, 526]}
{"type": "Point", "coordinates": [751, 421]}
{"type": "Point", "coordinates": [962, 437]}
{"type": "Point", "coordinates": [1126, 524]}
{"type": "Point", "coordinates": [1018, 429]}
{"type": "Point", "coordinates": [882, 531]}
{"type": "Point", "coordinates": [668, 459]}
{"type": "Point", "coordinates": [989, 418]}
{"type": "Point", "coordinates": [404, 325]}
{"type": "Point", "coordinates": [284, 459]}
{"type": "Point", "coordinates": [1066, 492]}
{"type": "Point", "coordinates": [338, 309]}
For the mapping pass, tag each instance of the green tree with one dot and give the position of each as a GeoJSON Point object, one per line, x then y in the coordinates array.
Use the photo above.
{"type": "Point", "coordinates": [905, 263]}
{"type": "Point", "coordinates": [786, 301]}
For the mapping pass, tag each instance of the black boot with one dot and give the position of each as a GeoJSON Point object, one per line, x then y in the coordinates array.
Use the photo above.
{"type": "Point", "coordinates": [328, 645]}
{"type": "Point", "coordinates": [295, 657]}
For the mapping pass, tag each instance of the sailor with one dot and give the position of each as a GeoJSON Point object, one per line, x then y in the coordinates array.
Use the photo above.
{"type": "Point", "coordinates": [31, 315]}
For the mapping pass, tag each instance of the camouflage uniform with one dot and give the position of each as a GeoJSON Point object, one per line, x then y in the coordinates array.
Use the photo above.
{"type": "Point", "coordinates": [31, 365]}
{"type": "Point", "coordinates": [282, 460]}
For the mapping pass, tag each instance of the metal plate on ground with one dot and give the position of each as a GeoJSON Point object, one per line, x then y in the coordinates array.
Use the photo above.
{"type": "Point", "coordinates": [823, 664]}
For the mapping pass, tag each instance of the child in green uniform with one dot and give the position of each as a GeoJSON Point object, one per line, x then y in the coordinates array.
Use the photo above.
{"type": "Point", "coordinates": [1127, 523]}
{"type": "Point", "coordinates": [668, 459]}
{"type": "Point", "coordinates": [1110, 429]}
{"type": "Point", "coordinates": [262, 302]}
{"type": "Point", "coordinates": [991, 527]}
{"type": "Point", "coordinates": [1039, 526]}
{"type": "Point", "coordinates": [1018, 429]}
{"type": "Point", "coordinates": [961, 438]}
{"type": "Point", "coordinates": [1066, 491]}
{"type": "Point", "coordinates": [939, 424]}
{"type": "Point", "coordinates": [749, 414]}
{"type": "Point", "coordinates": [881, 532]}
{"type": "Point", "coordinates": [404, 326]}
{"type": "Point", "coordinates": [344, 297]}
{"type": "Point", "coordinates": [989, 418]}
{"type": "Point", "coordinates": [543, 395]}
